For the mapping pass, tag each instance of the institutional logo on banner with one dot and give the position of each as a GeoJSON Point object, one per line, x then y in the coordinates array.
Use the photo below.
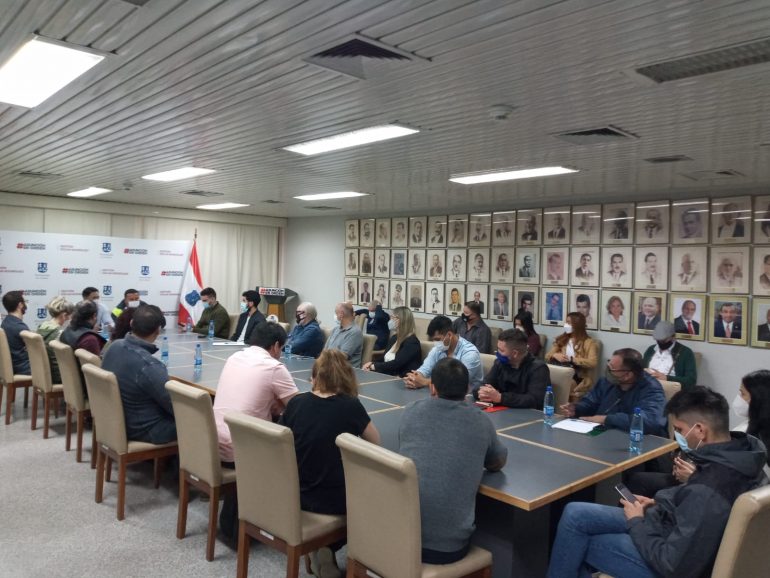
{"type": "Point", "coordinates": [42, 267]}
{"type": "Point", "coordinates": [106, 290]}
{"type": "Point", "coordinates": [190, 306]}
{"type": "Point", "coordinates": [145, 270]}
{"type": "Point", "coordinates": [41, 313]}
{"type": "Point", "coordinates": [106, 247]}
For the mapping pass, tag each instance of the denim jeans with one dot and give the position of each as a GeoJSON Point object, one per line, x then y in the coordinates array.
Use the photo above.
{"type": "Point", "coordinates": [592, 537]}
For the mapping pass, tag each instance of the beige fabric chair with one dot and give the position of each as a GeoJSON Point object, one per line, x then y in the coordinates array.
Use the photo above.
{"type": "Point", "coordinates": [425, 347]}
{"type": "Point", "coordinates": [670, 388]}
{"type": "Point", "coordinates": [285, 326]}
{"type": "Point", "coordinates": [327, 331]}
{"type": "Point", "coordinates": [107, 407]}
{"type": "Point", "coordinates": [199, 464]}
{"type": "Point", "coordinates": [543, 341]}
{"type": "Point", "coordinates": [421, 327]}
{"type": "Point", "coordinates": [384, 535]}
{"type": "Point", "coordinates": [368, 349]}
{"type": "Point", "coordinates": [360, 320]}
{"type": "Point", "coordinates": [743, 551]}
{"type": "Point", "coordinates": [41, 378]}
{"type": "Point", "coordinates": [11, 381]}
{"type": "Point", "coordinates": [487, 361]}
{"type": "Point", "coordinates": [233, 324]}
{"type": "Point", "coordinates": [77, 404]}
{"type": "Point", "coordinates": [268, 495]}
{"type": "Point", "coordinates": [85, 357]}
{"type": "Point", "coordinates": [561, 380]}
{"type": "Point", "coordinates": [495, 331]}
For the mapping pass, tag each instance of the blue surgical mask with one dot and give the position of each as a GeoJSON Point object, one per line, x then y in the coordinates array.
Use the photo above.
{"type": "Point", "coordinates": [205, 304]}
{"type": "Point", "coordinates": [682, 440]}
{"type": "Point", "coordinates": [244, 307]}
{"type": "Point", "coordinates": [504, 359]}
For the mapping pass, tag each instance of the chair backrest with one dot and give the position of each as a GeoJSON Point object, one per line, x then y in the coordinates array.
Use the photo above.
{"type": "Point", "coordinates": [85, 357]}
{"type": "Point", "coordinates": [266, 476]}
{"type": "Point", "coordinates": [384, 533]}
{"type": "Point", "coordinates": [487, 361]}
{"type": "Point", "coordinates": [593, 373]}
{"type": "Point", "coordinates": [366, 352]}
{"type": "Point", "coordinates": [360, 320]}
{"type": "Point", "coordinates": [543, 341]}
{"type": "Point", "coordinates": [106, 407]}
{"type": "Point", "coordinates": [698, 358]}
{"type": "Point", "coordinates": [6, 364]}
{"type": "Point", "coordinates": [421, 327]}
{"type": "Point", "coordinates": [669, 389]}
{"type": "Point", "coordinates": [327, 331]}
{"type": "Point", "coordinates": [495, 332]}
{"type": "Point", "coordinates": [284, 325]}
{"type": "Point", "coordinates": [71, 379]}
{"type": "Point", "coordinates": [196, 432]}
{"type": "Point", "coordinates": [743, 551]}
{"type": "Point", "coordinates": [38, 360]}
{"type": "Point", "coordinates": [233, 323]}
{"type": "Point", "coordinates": [561, 380]}
{"type": "Point", "coordinates": [425, 347]}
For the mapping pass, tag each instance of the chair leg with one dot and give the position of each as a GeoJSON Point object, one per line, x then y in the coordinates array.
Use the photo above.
{"type": "Point", "coordinates": [67, 429]}
{"type": "Point", "coordinates": [292, 562]}
{"type": "Point", "coordinates": [26, 397]}
{"type": "Point", "coordinates": [2, 388]}
{"type": "Point", "coordinates": [93, 446]}
{"type": "Point", "coordinates": [34, 410]}
{"type": "Point", "coordinates": [121, 487]}
{"type": "Point", "coordinates": [157, 465]}
{"type": "Point", "coordinates": [184, 498]}
{"type": "Point", "coordinates": [108, 471]}
{"type": "Point", "coordinates": [81, 426]}
{"type": "Point", "coordinates": [47, 414]}
{"type": "Point", "coordinates": [213, 512]}
{"type": "Point", "coordinates": [244, 543]}
{"type": "Point", "coordinates": [56, 408]}
{"type": "Point", "coordinates": [99, 474]}
{"type": "Point", "coordinates": [8, 404]}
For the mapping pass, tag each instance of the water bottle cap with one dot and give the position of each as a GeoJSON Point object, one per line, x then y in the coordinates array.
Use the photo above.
{"type": "Point", "coordinates": [637, 410]}
{"type": "Point", "coordinates": [549, 388]}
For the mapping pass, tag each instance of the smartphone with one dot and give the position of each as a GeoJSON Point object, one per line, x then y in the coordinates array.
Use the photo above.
{"type": "Point", "coordinates": [484, 404]}
{"type": "Point", "coordinates": [625, 493]}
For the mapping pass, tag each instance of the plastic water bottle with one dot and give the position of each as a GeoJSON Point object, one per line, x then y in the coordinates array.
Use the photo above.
{"type": "Point", "coordinates": [287, 349]}
{"type": "Point", "coordinates": [211, 330]}
{"type": "Point", "coordinates": [548, 406]}
{"type": "Point", "coordinates": [636, 434]}
{"type": "Point", "coordinates": [198, 358]}
{"type": "Point", "coordinates": [188, 326]}
{"type": "Point", "coordinates": [164, 350]}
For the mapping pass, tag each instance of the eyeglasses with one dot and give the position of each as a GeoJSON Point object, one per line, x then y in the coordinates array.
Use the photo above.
{"type": "Point", "coordinates": [617, 370]}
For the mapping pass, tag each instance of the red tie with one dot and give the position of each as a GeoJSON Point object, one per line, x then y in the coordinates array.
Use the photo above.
{"type": "Point", "coordinates": [689, 328]}
{"type": "Point", "coordinates": [727, 331]}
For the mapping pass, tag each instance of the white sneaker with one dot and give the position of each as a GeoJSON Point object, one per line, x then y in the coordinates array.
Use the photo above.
{"type": "Point", "coordinates": [323, 564]}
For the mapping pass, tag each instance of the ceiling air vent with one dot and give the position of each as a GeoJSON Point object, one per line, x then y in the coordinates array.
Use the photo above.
{"type": "Point", "coordinates": [713, 175]}
{"type": "Point", "coordinates": [272, 202]}
{"type": "Point", "coordinates": [39, 175]}
{"type": "Point", "coordinates": [139, 3]}
{"type": "Point", "coordinates": [668, 159]}
{"type": "Point", "coordinates": [323, 208]}
{"type": "Point", "coordinates": [195, 193]}
{"type": "Point", "coordinates": [601, 135]}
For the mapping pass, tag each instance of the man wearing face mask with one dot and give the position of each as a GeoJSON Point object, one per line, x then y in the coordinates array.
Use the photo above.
{"type": "Point", "coordinates": [376, 323]}
{"type": "Point", "coordinates": [13, 324]}
{"type": "Point", "coordinates": [517, 378]}
{"type": "Point", "coordinates": [306, 337]}
{"type": "Point", "coordinates": [668, 359]}
{"type": "Point", "coordinates": [346, 336]}
{"type": "Point", "coordinates": [471, 327]}
{"type": "Point", "coordinates": [212, 311]}
{"type": "Point", "coordinates": [626, 386]}
{"type": "Point", "coordinates": [250, 316]}
{"type": "Point", "coordinates": [130, 299]}
{"type": "Point", "coordinates": [446, 344]}
{"type": "Point", "coordinates": [103, 318]}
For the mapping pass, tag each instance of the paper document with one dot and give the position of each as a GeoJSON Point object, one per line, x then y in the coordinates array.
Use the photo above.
{"type": "Point", "coordinates": [576, 425]}
{"type": "Point", "coordinates": [215, 343]}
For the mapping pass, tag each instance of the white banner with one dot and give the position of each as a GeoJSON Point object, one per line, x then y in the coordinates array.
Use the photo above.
{"type": "Point", "coordinates": [45, 265]}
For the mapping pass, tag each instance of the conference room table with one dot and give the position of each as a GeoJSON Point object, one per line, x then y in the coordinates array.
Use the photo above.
{"type": "Point", "coordinates": [518, 507]}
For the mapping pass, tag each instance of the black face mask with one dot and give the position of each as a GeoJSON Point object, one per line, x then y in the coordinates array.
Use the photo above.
{"type": "Point", "coordinates": [299, 317]}
{"type": "Point", "coordinates": [663, 345]}
{"type": "Point", "coordinates": [465, 318]}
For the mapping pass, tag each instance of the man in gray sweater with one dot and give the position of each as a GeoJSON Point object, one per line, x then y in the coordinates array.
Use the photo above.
{"type": "Point", "coordinates": [450, 442]}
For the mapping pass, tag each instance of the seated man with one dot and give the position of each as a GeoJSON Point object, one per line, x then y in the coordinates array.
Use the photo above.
{"type": "Point", "coordinates": [517, 378]}
{"type": "Point", "coordinates": [471, 327]}
{"type": "Point", "coordinates": [450, 443]}
{"type": "Point", "coordinates": [250, 317]}
{"type": "Point", "coordinates": [130, 299]}
{"type": "Point", "coordinates": [346, 336]}
{"type": "Point", "coordinates": [679, 532]}
{"type": "Point", "coordinates": [376, 323]}
{"type": "Point", "coordinates": [306, 337]}
{"type": "Point", "coordinates": [13, 324]}
{"type": "Point", "coordinates": [142, 379]}
{"type": "Point", "coordinates": [612, 400]}
{"type": "Point", "coordinates": [104, 321]}
{"type": "Point", "coordinates": [447, 344]}
{"type": "Point", "coordinates": [213, 311]}
{"type": "Point", "coordinates": [669, 360]}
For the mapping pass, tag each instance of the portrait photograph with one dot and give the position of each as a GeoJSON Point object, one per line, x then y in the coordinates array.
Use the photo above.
{"type": "Point", "coordinates": [726, 323]}
{"type": "Point", "coordinates": [616, 311]}
{"type": "Point", "coordinates": [415, 264]}
{"type": "Point", "coordinates": [351, 233]}
{"type": "Point", "coordinates": [350, 292]}
{"type": "Point", "coordinates": [652, 223]}
{"type": "Point", "coordinates": [527, 265]}
{"type": "Point", "coordinates": [500, 302]}
{"type": "Point", "coordinates": [434, 298]}
{"type": "Point", "coordinates": [416, 295]}
{"type": "Point", "coordinates": [762, 220]}
{"type": "Point", "coordinates": [457, 231]}
{"type": "Point", "coordinates": [526, 299]}
{"type": "Point", "coordinates": [585, 301]}
{"type": "Point", "coordinates": [454, 297]}
{"type": "Point", "coordinates": [504, 228]}
{"type": "Point", "coordinates": [437, 231]}
{"type": "Point", "coordinates": [649, 309]}
{"type": "Point", "coordinates": [436, 265]}
{"type": "Point", "coordinates": [690, 222]}
{"type": "Point", "coordinates": [618, 224]}
{"type": "Point", "coordinates": [383, 233]}
{"type": "Point", "coordinates": [556, 226]}
{"type": "Point", "coordinates": [584, 266]}
{"type": "Point", "coordinates": [366, 235]}
{"type": "Point", "coordinates": [502, 265]}
{"type": "Point", "coordinates": [418, 234]}
{"type": "Point", "coordinates": [731, 220]}
{"type": "Point", "coordinates": [556, 266]}
{"type": "Point", "coordinates": [479, 229]}
{"type": "Point", "coordinates": [456, 264]}
{"type": "Point", "coordinates": [478, 265]}
{"type": "Point", "coordinates": [381, 263]}
{"type": "Point", "coordinates": [478, 294]}
{"type": "Point", "coordinates": [397, 294]}
{"type": "Point", "coordinates": [586, 224]}
{"type": "Point", "coordinates": [529, 224]}
{"type": "Point", "coordinates": [381, 292]}
{"type": "Point", "coordinates": [617, 267]}
{"type": "Point", "coordinates": [365, 291]}
{"type": "Point", "coordinates": [651, 267]}
{"type": "Point", "coordinates": [366, 262]}
{"type": "Point", "coordinates": [687, 310]}
{"type": "Point", "coordinates": [729, 269]}
{"type": "Point", "coordinates": [351, 262]}
{"type": "Point", "coordinates": [689, 269]}
{"type": "Point", "coordinates": [760, 328]}
{"type": "Point", "coordinates": [398, 264]}
{"type": "Point", "coordinates": [399, 232]}
{"type": "Point", "coordinates": [554, 305]}
{"type": "Point", "coordinates": [761, 271]}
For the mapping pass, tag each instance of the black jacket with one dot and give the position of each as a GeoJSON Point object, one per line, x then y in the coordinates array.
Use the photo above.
{"type": "Point", "coordinates": [253, 321]}
{"type": "Point", "coordinates": [522, 386]}
{"type": "Point", "coordinates": [377, 326]}
{"type": "Point", "coordinates": [408, 357]}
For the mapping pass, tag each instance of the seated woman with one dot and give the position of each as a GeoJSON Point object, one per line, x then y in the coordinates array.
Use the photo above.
{"type": "Point", "coordinates": [121, 329]}
{"type": "Point", "coordinates": [316, 418]}
{"type": "Point", "coordinates": [80, 334]}
{"type": "Point", "coordinates": [403, 350]}
{"type": "Point", "coordinates": [60, 310]}
{"type": "Point", "coordinates": [575, 349]}
{"type": "Point", "coordinates": [523, 321]}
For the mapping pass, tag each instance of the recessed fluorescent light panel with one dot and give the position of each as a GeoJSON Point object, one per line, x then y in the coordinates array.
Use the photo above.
{"type": "Point", "coordinates": [327, 196]}
{"type": "Point", "coordinates": [492, 177]}
{"type": "Point", "coordinates": [221, 206]}
{"type": "Point", "coordinates": [350, 139]}
{"type": "Point", "coordinates": [178, 174]}
{"type": "Point", "coordinates": [89, 192]}
{"type": "Point", "coordinates": [41, 68]}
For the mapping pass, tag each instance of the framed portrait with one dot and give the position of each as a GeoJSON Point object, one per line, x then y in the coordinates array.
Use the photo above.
{"type": "Point", "coordinates": [437, 231]}
{"type": "Point", "coordinates": [527, 299]}
{"type": "Point", "coordinates": [381, 292]}
{"type": "Point", "coordinates": [351, 262]}
{"type": "Point", "coordinates": [478, 294]}
{"type": "Point", "coordinates": [350, 292]}
{"type": "Point", "coordinates": [616, 311]}
{"type": "Point", "coordinates": [585, 301]}
{"type": "Point", "coordinates": [586, 224]}
{"type": "Point", "coordinates": [457, 231]}
{"type": "Point", "coordinates": [529, 226]}
{"type": "Point", "coordinates": [418, 236]}
{"type": "Point", "coordinates": [479, 229]}
{"type": "Point", "coordinates": [731, 220]}
{"type": "Point", "coordinates": [690, 222]}
{"type": "Point", "coordinates": [726, 319]}
{"type": "Point", "coordinates": [397, 294]}
{"type": "Point", "coordinates": [689, 312]}
{"type": "Point", "coordinates": [760, 327]}
{"type": "Point", "coordinates": [730, 269]}
{"type": "Point", "coordinates": [652, 223]}
{"type": "Point", "coordinates": [365, 290]}
{"type": "Point", "coordinates": [351, 233]}
{"type": "Point", "coordinates": [366, 262]}
{"type": "Point", "coordinates": [434, 298]}
{"type": "Point", "coordinates": [651, 268]}
{"type": "Point", "coordinates": [415, 266]}
{"type": "Point", "coordinates": [381, 263]}
{"type": "Point", "coordinates": [617, 267]}
{"type": "Point", "coordinates": [366, 236]}
{"type": "Point", "coordinates": [399, 232]}
{"type": "Point", "coordinates": [556, 265]}
{"type": "Point", "coordinates": [398, 263]}
{"type": "Point", "coordinates": [501, 269]}
{"type": "Point", "coordinates": [416, 295]}
{"type": "Point", "coordinates": [454, 297]}
{"type": "Point", "coordinates": [649, 309]}
{"type": "Point", "coordinates": [527, 265]}
{"type": "Point", "coordinates": [456, 263]}
{"type": "Point", "coordinates": [761, 271]}
{"type": "Point", "coordinates": [504, 228]}
{"type": "Point", "coordinates": [689, 269]}
{"type": "Point", "coordinates": [584, 266]}
{"type": "Point", "coordinates": [618, 224]}
{"type": "Point", "coordinates": [556, 226]}
{"type": "Point", "coordinates": [553, 305]}
{"type": "Point", "coordinates": [436, 265]}
{"type": "Point", "coordinates": [762, 220]}
{"type": "Point", "coordinates": [478, 265]}
{"type": "Point", "coordinates": [500, 302]}
{"type": "Point", "coordinates": [383, 233]}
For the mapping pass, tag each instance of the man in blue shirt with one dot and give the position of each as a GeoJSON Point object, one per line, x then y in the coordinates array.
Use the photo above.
{"type": "Point", "coordinates": [306, 338]}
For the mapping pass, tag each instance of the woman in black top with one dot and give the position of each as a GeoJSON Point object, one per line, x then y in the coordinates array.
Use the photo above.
{"type": "Point", "coordinates": [403, 350]}
{"type": "Point", "coordinates": [755, 392]}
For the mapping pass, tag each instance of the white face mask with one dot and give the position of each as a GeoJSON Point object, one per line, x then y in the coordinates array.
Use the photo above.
{"type": "Point", "coordinates": [392, 325]}
{"type": "Point", "coordinates": [441, 346]}
{"type": "Point", "coordinates": [133, 304]}
{"type": "Point", "coordinates": [336, 321]}
{"type": "Point", "coordinates": [371, 314]}
{"type": "Point", "coordinates": [740, 406]}
{"type": "Point", "coordinates": [567, 328]}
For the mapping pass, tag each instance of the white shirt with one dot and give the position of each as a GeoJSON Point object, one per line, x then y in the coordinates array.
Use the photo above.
{"type": "Point", "coordinates": [570, 351]}
{"type": "Point", "coordinates": [663, 361]}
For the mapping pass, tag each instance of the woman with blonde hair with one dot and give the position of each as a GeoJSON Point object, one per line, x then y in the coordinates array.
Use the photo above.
{"type": "Point", "coordinates": [403, 350]}
{"type": "Point", "coordinates": [60, 311]}
{"type": "Point", "coordinates": [575, 349]}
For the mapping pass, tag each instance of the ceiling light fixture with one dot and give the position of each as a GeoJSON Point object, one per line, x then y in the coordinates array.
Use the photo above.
{"type": "Point", "coordinates": [178, 174]}
{"type": "Point", "coordinates": [509, 175]}
{"type": "Point", "coordinates": [222, 206]}
{"type": "Point", "coordinates": [327, 196]}
{"type": "Point", "coordinates": [350, 139]}
{"type": "Point", "coordinates": [89, 192]}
